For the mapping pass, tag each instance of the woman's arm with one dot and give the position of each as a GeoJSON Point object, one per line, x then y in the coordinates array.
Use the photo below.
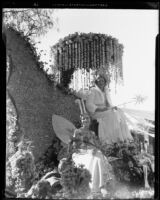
{"type": "Point", "coordinates": [107, 92]}
{"type": "Point", "coordinates": [109, 99]}
{"type": "Point", "coordinates": [90, 105]}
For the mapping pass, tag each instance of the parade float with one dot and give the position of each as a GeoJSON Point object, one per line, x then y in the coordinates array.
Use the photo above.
{"type": "Point", "coordinates": [76, 57]}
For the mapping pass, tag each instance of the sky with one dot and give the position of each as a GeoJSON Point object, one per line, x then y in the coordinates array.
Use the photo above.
{"type": "Point", "coordinates": [135, 29]}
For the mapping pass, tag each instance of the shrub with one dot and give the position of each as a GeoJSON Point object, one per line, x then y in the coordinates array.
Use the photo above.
{"type": "Point", "coordinates": [41, 190]}
{"type": "Point", "coordinates": [74, 180]}
{"type": "Point", "coordinates": [127, 167]}
{"type": "Point", "coordinates": [50, 159]}
{"type": "Point", "coordinates": [22, 168]}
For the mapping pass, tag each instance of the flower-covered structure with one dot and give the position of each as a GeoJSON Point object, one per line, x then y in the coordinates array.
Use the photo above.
{"type": "Point", "coordinates": [34, 97]}
{"type": "Point", "coordinates": [88, 51]}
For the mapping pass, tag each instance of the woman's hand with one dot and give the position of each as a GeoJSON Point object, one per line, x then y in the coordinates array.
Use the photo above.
{"type": "Point", "coordinates": [114, 108]}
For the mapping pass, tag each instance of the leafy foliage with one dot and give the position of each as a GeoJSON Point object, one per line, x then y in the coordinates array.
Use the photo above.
{"type": "Point", "coordinates": [29, 21]}
{"type": "Point", "coordinates": [50, 159]}
{"type": "Point", "coordinates": [74, 180]}
{"type": "Point", "coordinates": [128, 166]}
{"type": "Point", "coordinates": [22, 168]}
{"type": "Point", "coordinates": [66, 77]}
{"type": "Point", "coordinates": [11, 128]}
{"type": "Point", "coordinates": [41, 190]}
{"type": "Point", "coordinates": [126, 159]}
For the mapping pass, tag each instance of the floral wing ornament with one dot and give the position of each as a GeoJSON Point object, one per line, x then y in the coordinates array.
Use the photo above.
{"type": "Point", "coordinates": [63, 128]}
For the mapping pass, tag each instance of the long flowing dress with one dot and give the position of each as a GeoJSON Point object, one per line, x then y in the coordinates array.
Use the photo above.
{"type": "Point", "coordinates": [112, 123]}
{"type": "Point", "coordinates": [96, 163]}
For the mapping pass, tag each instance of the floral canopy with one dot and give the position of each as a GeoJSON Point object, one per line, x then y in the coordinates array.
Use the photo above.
{"type": "Point", "coordinates": [89, 51]}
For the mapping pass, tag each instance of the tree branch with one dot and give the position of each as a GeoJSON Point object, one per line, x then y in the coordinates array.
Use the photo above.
{"type": "Point", "coordinates": [17, 11]}
{"type": "Point", "coordinates": [39, 17]}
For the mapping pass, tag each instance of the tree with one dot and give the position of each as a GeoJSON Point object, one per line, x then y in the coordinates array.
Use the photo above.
{"type": "Point", "coordinates": [31, 22]}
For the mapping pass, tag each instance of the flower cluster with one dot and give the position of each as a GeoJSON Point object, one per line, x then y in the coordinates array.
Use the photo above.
{"type": "Point", "coordinates": [74, 180]}
{"type": "Point", "coordinates": [129, 163]}
{"type": "Point", "coordinates": [50, 159]}
{"type": "Point", "coordinates": [41, 190]}
{"type": "Point", "coordinates": [22, 169]}
{"type": "Point", "coordinates": [126, 159]}
{"type": "Point", "coordinates": [11, 128]}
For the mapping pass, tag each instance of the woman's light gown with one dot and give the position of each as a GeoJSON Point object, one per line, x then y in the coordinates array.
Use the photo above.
{"type": "Point", "coordinates": [97, 164]}
{"type": "Point", "coordinates": [112, 123]}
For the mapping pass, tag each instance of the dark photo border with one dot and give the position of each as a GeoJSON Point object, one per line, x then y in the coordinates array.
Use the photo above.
{"type": "Point", "coordinates": [149, 5]}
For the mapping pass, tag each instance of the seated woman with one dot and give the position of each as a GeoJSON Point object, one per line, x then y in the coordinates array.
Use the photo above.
{"type": "Point", "coordinates": [90, 157]}
{"type": "Point", "coordinates": [112, 126]}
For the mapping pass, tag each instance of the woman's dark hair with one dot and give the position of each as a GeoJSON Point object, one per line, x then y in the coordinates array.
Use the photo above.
{"type": "Point", "coordinates": [99, 77]}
